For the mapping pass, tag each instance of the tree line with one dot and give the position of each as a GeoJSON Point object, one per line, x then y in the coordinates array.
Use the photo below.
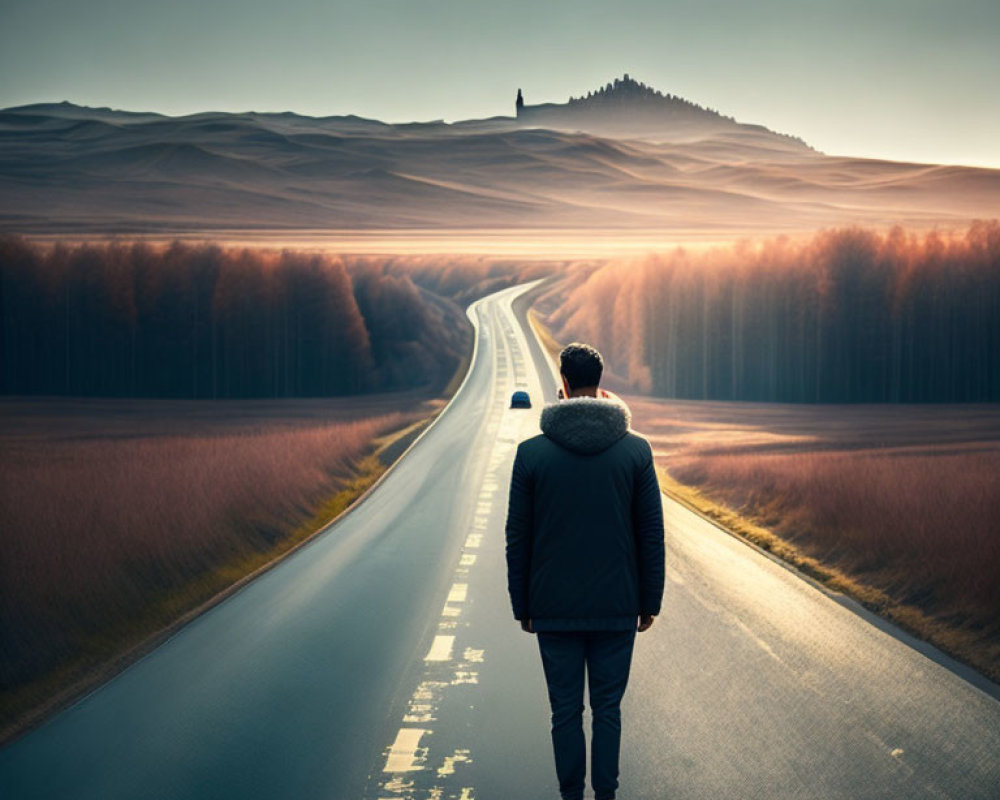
{"type": "Point", "coordinates": [202, 321]}
{"type": "Point", "coordinates": [848, 316]}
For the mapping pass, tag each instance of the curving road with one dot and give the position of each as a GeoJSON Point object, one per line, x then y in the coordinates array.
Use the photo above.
{"type": "Point", "coordinates": [381, 661]}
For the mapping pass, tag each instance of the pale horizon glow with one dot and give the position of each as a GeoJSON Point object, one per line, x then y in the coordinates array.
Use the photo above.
{"type": "Point", "coordinates": [909, 80]}
{"type": "Point", "coordinates": [537, 244]}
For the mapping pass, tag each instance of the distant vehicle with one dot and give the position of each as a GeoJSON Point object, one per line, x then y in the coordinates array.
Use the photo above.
{"type": "Point", "coordinates": [520, 400]}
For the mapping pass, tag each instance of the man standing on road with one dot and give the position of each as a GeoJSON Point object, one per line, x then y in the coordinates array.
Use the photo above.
{"type": "Point", "coordinates": [585, 561]}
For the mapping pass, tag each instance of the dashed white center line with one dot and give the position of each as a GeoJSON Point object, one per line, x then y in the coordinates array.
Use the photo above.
{"type": "Point", "coordinates": [474, 540]}
{"type": "Point", "coordinates": [444, 667]}
{"type": "Point", "coordinates": [403, 753]}
{"type": "Point", "coordinates": [440, 648]}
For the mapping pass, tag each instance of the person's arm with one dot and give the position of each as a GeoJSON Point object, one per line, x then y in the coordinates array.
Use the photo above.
{"type": "Point", "coordinates": [519, 536]}
{"type": "Point", "coordinates": [647, 522]}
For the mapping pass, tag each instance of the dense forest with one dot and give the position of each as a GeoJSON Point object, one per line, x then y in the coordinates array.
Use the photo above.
{"type": "Point", "coordinates": [848, 316]}
{"type": "Point", "coordinates": [120, 319]}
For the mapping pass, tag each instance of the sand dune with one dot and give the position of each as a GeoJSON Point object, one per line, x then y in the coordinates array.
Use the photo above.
{"type": "Point", "coordinates": [68, 169]}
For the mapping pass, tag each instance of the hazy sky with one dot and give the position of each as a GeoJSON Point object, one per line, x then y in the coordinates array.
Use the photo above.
{"type": "Point", "coordinates": [908, 79]}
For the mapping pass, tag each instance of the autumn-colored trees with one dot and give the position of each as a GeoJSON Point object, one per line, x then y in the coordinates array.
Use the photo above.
{"type": "Point", "coordinates": [205, 321]}
{"type": "Point", "coordinates": [850, 316]}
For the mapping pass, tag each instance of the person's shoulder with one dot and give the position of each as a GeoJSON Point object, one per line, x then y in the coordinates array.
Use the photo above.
{"type": "Point", "coordinates": [638, 443]}
{"type": "Point", "coordinates": [529, 450]}
{"type": "Point", "coordinates": [636, 436]}
{"type": "Point", "coordinates": [532, 443]}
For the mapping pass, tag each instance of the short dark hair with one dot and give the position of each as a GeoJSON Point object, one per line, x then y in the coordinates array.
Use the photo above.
{"type": "Point", "coordinates": [581, 365]}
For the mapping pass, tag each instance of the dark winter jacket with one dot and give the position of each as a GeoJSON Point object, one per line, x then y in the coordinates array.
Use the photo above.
{"type": "Point", "coordinates": [584, 521]}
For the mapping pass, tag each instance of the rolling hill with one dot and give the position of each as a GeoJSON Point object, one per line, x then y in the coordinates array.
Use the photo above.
{"type": "Point", "coordinates": [625, 157]}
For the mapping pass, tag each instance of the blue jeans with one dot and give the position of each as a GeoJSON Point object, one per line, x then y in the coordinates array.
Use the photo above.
{"type": "Point", "coordinates": [608, 657]}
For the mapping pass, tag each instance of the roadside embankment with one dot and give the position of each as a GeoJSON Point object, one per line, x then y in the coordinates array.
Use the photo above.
{"type": "Point", "coordinates": [125, 519]}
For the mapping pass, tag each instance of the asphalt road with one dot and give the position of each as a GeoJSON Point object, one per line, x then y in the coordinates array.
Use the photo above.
{"type": "Point", "coordinates": [382, 661]}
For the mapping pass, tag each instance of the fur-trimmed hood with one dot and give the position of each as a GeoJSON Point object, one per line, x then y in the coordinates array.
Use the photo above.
{"type": "Point", "coordinates": [586, 424]}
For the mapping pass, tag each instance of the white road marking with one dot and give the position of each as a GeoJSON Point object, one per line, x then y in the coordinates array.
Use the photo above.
{"type": "Point", "coordinates": [425, 691]}
{"type": "Point", "coordinates": [448, 767]}
{"type": "Point", "coordinates": [440, 649]}
{"type": "Point", "coordinates": [422, 714]}
{"type": "Point", "coordinates": [403, 753]}
{"type": "Point", "coordinates": [406, 754]}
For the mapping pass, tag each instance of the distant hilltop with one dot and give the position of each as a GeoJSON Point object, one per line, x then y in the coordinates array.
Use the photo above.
{"type": "Point", "coordinates": [621, 95]}
{"type": "Point", "coordinates": [627, 107]}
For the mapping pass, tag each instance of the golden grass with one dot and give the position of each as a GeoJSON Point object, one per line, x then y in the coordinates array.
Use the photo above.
{"type": "Point", "coordinates": [458, 376]}
{"type": "Point", "coordinates": [544, 335]}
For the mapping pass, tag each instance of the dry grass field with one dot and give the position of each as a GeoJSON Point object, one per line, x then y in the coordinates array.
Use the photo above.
{"type": "Point", "coordinates": [896, 504]}
{"type": "Point", "coordinates": [120, 516]}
